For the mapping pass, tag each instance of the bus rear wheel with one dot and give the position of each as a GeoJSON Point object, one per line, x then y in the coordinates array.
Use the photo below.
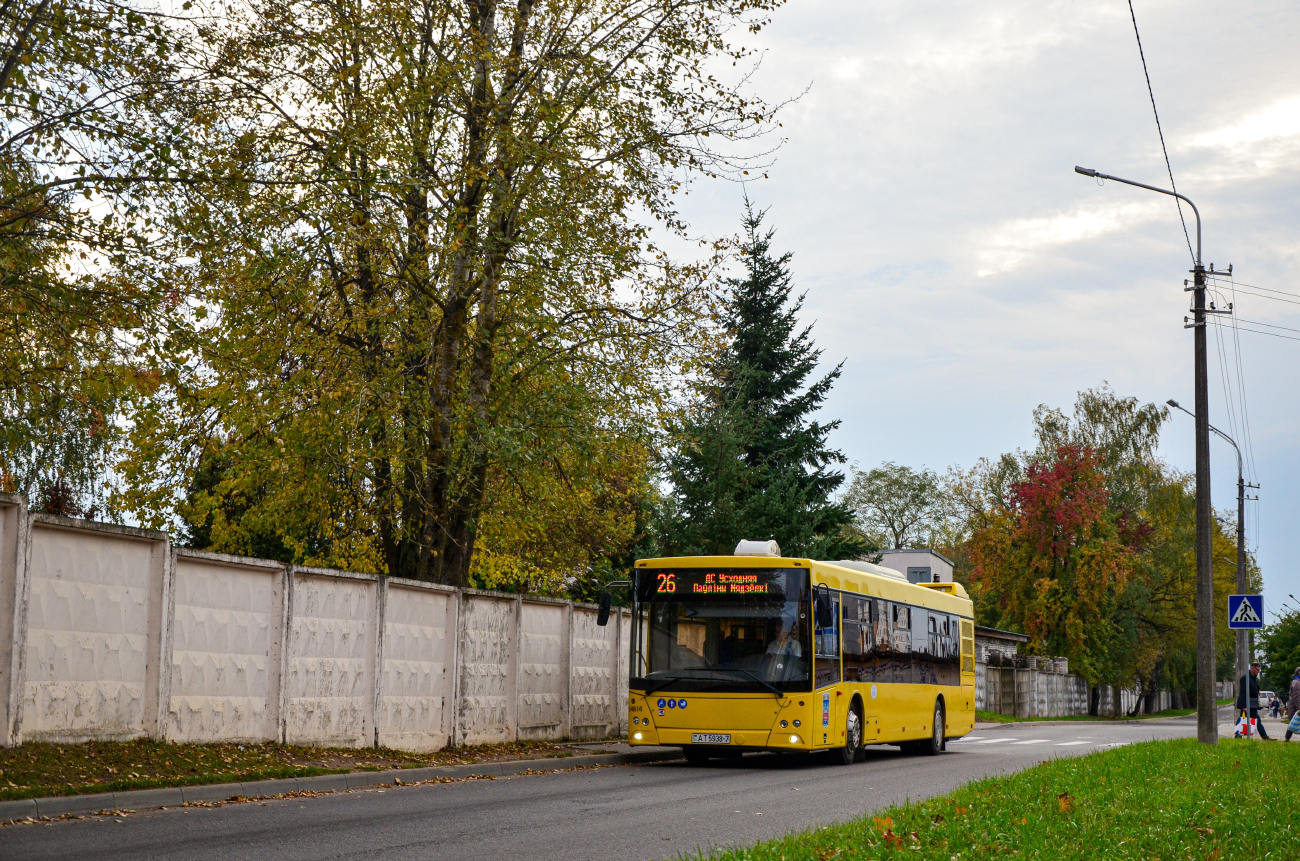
{"type": "Point", "coordinates": [933, 745]}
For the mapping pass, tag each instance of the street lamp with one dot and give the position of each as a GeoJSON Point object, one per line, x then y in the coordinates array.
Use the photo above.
{"type": "Point", "coordinates": [1207, 729]}
{"type": "Point", "coordinates": [1243, 659]}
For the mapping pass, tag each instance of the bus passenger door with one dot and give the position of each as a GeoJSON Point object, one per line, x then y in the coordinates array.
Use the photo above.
{"type": "Point", "coordinates": [832, 705]}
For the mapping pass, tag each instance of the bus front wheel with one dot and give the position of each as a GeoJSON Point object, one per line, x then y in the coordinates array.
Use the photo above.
{"type": "Point", "coordinates": [847, 754]}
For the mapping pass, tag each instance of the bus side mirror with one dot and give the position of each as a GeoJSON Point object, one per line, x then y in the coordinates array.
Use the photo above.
{"type": "Point", "coordinates": [602, 615]}
{"type": "Point", "coordinates": [824, 609]}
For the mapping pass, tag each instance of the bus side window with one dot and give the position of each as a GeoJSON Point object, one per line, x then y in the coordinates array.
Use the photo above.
{"type": "Point", "coordinates": [858, 640]}
{"type": "Point", "coordinates": [902, 636]}
{"type": "Point", "coordinates": [880, 624]}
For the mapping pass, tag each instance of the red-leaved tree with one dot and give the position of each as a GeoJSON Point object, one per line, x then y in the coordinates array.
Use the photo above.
{"type": "Point", "coordinates": [1052, 562]}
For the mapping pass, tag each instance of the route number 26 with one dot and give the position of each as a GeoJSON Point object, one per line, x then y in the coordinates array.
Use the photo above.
{"type": "Point", "coordinates": [667, 583]}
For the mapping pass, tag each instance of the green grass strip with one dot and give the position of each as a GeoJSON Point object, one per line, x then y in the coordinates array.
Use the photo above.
{"type": "Point", "coordinates": [39, 769]}
{"type": "Point", "coordinates": [1153, 801]}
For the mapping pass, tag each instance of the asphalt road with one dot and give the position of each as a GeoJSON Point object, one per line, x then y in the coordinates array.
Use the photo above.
{"type": "Point", "coordinates": [630, 812]}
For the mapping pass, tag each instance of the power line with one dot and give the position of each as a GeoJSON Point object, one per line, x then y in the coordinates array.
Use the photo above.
{"type": "Point", "coordinates": [1272, 334]}
{"type": "Point", "coordinates": [1223, 378]}
{"type": "Point", "coordinates": [1241, 382]}
{"type": "Point", "coordinates": [1270, 325]}
{"type": "Point", "coordinates": [1266, 296]}
{"type": "Point", "coordinates": [1160, 131]}
{"type": "Point", "coordinates": [1266, 289]}
{"type": "Point", "coordinates": [1242, 410]}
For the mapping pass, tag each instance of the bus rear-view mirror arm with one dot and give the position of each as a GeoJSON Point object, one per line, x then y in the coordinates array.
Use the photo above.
{"type": "Point", "coordinates": [606, 600]}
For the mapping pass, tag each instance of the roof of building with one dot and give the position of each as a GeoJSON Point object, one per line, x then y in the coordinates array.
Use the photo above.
{"type": "Point", "coordinates": [999, 634]}
{"type": "Point", "coordinates": [921, 550]}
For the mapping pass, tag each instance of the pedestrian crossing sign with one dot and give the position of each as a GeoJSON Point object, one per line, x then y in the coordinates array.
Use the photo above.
{"type": "Point", "coordinates": [1245, 611]}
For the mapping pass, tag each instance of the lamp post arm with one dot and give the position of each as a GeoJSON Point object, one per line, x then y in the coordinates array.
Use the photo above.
{"type": "Point", "coordinates": [1087, 171]}
{"type": "Point", "coordinates": [1231, 443]}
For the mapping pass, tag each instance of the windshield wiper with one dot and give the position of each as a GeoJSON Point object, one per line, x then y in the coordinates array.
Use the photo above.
{"type": "Point", "coordinates": [663, 683]}
{"type": "Point", "coordinates": [773, 688]}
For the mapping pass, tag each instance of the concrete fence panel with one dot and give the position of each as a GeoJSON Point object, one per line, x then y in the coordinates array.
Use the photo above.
{"type": "Point", "coordinates": [332, 656]}
{"type": "Point", "coordinates": [228, 619]}
{"type": "Point", "coordinates": [489, 634]}
{"type": "Point", "coordinates": [592, 676]}
{"type": "Point", "coordinates": [542, 685]}
{"type": "Point", "coordinates": [417, 660]}
{"type": "Point", "coordinates": [95, 622]}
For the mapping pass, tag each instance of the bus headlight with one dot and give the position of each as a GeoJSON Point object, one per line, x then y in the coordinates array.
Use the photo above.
{"type": "Point", "coordinates": [797, 723]}
{"type": "Point", "coordinates": [794, 739]}
{"type": "Point", "coordinates": [636, 735]}
{"type": "Point", "coordinates": [784, 724]}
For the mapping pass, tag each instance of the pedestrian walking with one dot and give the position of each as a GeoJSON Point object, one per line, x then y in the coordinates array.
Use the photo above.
{"type": "Point", "coordinates": [1293, 706]}
{"type": "Point", "coordinates": [1248, 698]}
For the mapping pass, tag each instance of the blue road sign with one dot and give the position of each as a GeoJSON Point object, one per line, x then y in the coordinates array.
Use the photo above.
{"type": "Point", "coordinates": [1245, 611]}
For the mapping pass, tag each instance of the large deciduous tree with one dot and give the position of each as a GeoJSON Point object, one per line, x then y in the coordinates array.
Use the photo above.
{"type": "Point", "coordinates": [898, 503]}
{"type": "Point", "coordinates": [429, 311]}
{"type": "Point", "coordinates": [749, 461]}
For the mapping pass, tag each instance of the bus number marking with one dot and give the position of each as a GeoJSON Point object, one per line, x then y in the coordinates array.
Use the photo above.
{"type": "Point", "coordinates": [667, 583]}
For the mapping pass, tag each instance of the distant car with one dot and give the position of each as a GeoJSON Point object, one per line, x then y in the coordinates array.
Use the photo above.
{"type": "Point", "coordinates": [1266, 699]}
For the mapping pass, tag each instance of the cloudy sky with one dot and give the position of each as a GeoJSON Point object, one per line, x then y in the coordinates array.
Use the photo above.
{"type": "Point", "coordinates": [966, 274]}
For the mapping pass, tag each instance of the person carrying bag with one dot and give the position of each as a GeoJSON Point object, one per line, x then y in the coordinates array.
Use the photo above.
{"type": "Point", "coordinates": [1248, 704]}
{"type": "Point", "coordinates": [1293, 706]}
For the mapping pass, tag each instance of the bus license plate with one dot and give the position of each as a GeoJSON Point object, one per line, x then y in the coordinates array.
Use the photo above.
{"type": "Point", "coordinates": [710, 738]}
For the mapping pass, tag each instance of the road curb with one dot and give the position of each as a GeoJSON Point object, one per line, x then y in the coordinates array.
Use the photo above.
{"type": "Point", "coordinates": [175, 796]}
{"type": "Point", "coordinates": [984, 726]}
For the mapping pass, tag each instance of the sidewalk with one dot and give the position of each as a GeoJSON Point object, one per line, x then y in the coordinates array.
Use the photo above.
{"type": "Point", "coordinates": [177, 796]}
{"type": "Point", "coordinates": [1275, 727]}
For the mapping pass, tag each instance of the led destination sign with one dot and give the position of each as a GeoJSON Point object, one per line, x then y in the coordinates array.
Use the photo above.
{"type": "Point", "coordinates": [702, 582]}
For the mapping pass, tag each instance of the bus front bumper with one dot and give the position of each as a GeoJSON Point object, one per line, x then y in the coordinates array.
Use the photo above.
{"type": "Point", "coordinates": [779, 739]}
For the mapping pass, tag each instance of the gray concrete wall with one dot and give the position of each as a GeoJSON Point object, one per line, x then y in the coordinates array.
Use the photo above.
{"type": "Point", "coordinates": [1044, 693]}
{"type": "Point", "coordinates": [107, 632]}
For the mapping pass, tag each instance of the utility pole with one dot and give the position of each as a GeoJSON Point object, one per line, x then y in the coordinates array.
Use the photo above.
{"type": "Point", "coordinates": [1242, 652]}
{"type": "Point", "coordinates": [1207, 723]}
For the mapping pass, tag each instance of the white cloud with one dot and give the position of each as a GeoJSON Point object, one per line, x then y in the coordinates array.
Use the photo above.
{"type": "Point", "coordinates": [1279, 120]}
{"type": "Point", "coordinates": [1011, 243]}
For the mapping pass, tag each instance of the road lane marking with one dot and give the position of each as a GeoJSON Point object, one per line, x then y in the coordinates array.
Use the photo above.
{"type": "Point", "coordinates": [1070, 743]}
{"type": "Point", "coordinates": [991, 740]}
{"type": "Point", "coordinates": [1032, 741]}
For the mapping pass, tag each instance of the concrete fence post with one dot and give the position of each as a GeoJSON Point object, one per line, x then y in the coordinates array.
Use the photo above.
{"type": "Point", "coordinates": [15, 552]}
{"type": "Point", "coordinates": [164, 562]}
{"type": "Point", "coordinates": [377, 669]}
{"type": "Point", "coordinates": [566, 671]}
{"type": "Point", "coordinates": [512, 671]}
{"type": "Point", "coordinates": [455, 621]}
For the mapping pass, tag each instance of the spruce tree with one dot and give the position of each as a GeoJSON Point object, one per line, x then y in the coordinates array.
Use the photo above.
{"type": "Point", "coordinates": [750, 462]}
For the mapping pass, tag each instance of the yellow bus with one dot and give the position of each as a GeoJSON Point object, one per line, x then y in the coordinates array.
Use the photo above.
{"type": "Point", "coordinates": [741, 653]}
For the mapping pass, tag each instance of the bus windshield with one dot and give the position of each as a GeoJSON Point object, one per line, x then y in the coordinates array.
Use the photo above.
{"type": "Point", "coordinates": [725, 629]}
